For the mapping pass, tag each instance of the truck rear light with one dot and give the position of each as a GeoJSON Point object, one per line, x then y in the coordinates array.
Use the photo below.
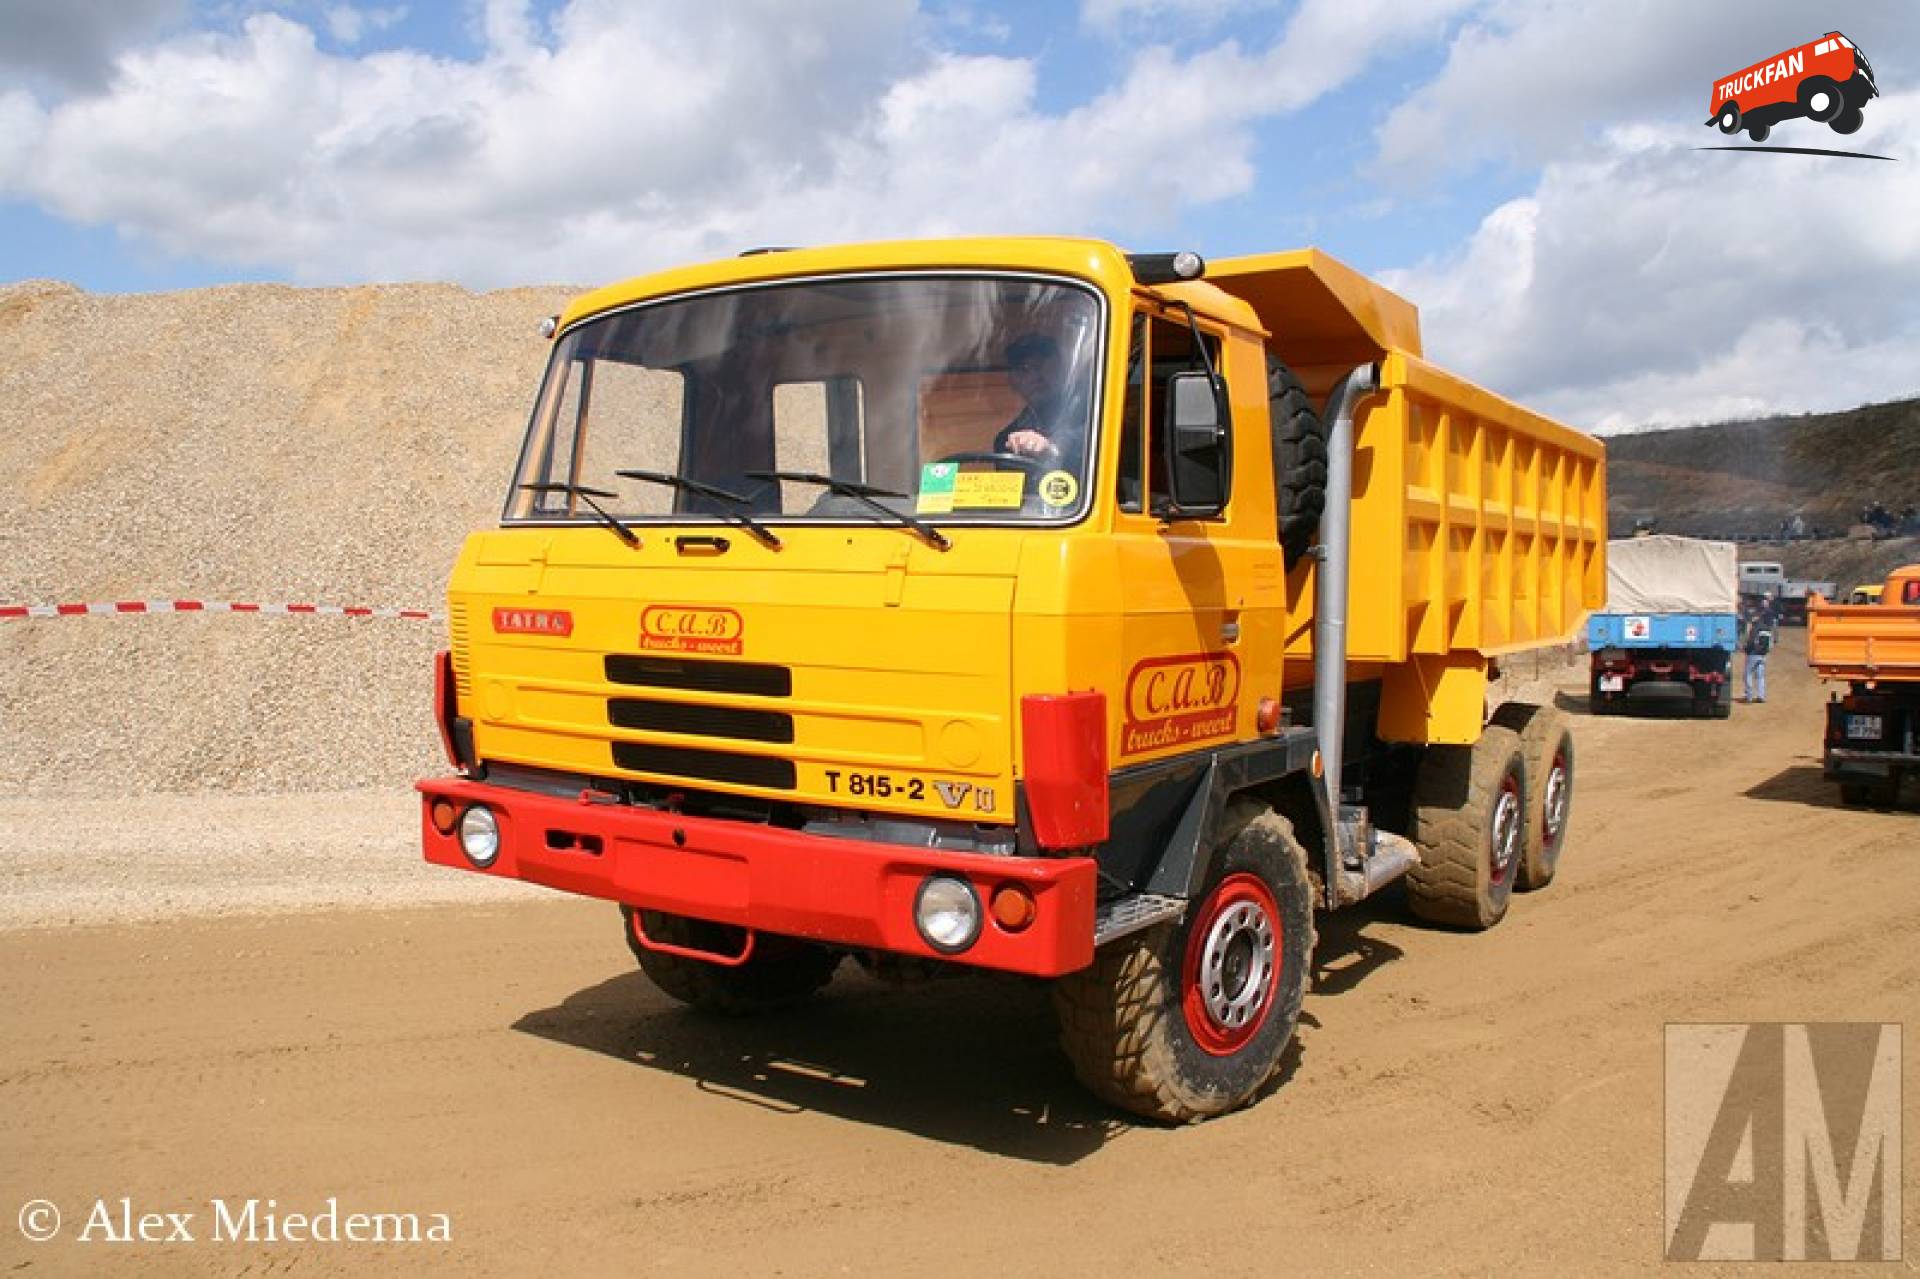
{"type": "Point", "coordinates": [1064, 744]}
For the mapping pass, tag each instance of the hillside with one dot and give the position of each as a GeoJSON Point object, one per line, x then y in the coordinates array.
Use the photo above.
{"type": "Point", "coordinates": [255, 443]}
{"type": "Point", "coordinates": [1742, 479]}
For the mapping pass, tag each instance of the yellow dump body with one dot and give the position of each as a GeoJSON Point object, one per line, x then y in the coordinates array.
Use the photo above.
{"type": "Point", "coordinates": [1869, 641]}
{"type": "Point", "coordinates": [1479, 527]}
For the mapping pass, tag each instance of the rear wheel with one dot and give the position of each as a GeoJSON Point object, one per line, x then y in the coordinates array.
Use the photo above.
{"type": "Point", "coordinates": [781, 971]}
{"type": "Point", "coordinates": [1469, 819]}
{"type": "Point", "coordinates": [1546, 749]}
{"type": "Point", "coordinates": [1185, 1021]}
{"type": "Point", "coordinates": [1758, 132]}
{"type": "Point", "coordinates": [1729, 118]}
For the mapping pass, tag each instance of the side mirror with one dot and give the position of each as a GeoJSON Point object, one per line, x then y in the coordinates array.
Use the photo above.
{"type": "Point", "coordinates": [1198, 444]}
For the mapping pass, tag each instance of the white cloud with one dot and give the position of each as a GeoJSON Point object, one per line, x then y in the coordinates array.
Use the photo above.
{"type": "Point", "coordinates": [619, 135]}
{"type": "Point", "coordinates": [349, 24]}
{"type": "Point", "coordinates": [1647, 282]}
{"type": "Point", "coordinates": [72, 43]}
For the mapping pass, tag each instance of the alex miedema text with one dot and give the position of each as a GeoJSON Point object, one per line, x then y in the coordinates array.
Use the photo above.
{"type": "Point", "coordinates": [259, 1221]}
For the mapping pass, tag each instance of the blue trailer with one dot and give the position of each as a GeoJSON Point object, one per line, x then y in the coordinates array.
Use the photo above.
{"type": "Point", "coordinates": [1670, 629]}
{"type": "Point", "coordinates": [1683, 659]}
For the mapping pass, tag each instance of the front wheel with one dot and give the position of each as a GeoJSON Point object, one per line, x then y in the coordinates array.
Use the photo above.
{"type": "Point", "coordinates": [1820, 98]}
{"type": "Point", "coordinates": [1848, 121]}
{"type": "Point", "coordinates": [1186, 1021]}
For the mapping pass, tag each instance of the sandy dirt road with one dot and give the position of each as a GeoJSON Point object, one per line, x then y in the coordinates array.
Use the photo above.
{"type": "Point", "coordinates": [1454, 1104]}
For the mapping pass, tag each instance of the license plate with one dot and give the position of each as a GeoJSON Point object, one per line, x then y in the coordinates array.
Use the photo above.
{"type": "Point", "coordinates": [1864, 727]}
{"type": "Point", "coordinates": [1613, 683]}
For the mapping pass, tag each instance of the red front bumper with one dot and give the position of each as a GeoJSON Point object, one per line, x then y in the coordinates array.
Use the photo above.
{"type": "Point", "coordinates": [842, 891]}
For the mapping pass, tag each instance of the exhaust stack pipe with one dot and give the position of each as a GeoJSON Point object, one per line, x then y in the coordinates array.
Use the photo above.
{"type": "Point", "coordinates": [1330, 625]}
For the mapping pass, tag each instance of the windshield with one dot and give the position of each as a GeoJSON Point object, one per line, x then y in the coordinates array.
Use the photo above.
{"type": "Point", "coordinates": [954, 399]}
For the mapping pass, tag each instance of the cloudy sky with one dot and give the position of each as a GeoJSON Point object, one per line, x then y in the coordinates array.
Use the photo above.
{"type": "Point", "coordinates": [1526, 171]}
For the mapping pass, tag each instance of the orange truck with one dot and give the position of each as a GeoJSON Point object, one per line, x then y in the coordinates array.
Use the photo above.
{"type": "Point", "coordinates": [1827, 80]}
{"type": "Point", "coordinates": [1873, 729]}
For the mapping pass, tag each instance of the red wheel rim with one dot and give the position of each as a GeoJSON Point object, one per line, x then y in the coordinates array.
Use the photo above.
{"type": "Point", "coordinates": [1232, 965]}
{"type": "Point", "coordinates": [1553, 809]}
{"type": "Point", "coordinates": [1504, 838]}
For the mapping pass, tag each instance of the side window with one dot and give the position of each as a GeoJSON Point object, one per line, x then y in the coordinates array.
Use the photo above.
{"type": "Point", "coordinates": [1170, 350]}
{"type": "Point", "coordinates": [1133, 477]}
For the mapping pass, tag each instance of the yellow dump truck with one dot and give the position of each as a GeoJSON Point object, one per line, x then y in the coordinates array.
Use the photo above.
{"type": "Point", "coordinates": [1009, 603]}
{"type": "Point", "coordinates": [1873, 729]}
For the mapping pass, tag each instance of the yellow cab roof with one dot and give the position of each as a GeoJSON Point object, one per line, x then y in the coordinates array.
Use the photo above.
{"type": "Point", "coordinates": [1093, 260]}
{"type": "Point", "coordinates": [1318, 309]}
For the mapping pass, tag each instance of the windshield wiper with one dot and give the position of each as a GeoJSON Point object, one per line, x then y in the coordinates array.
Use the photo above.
{"type": "Point", "coordinates": [741, 505]}
{"type": "Point", "coordinates": [866, 496]}
{"type": "Point", "coordinates": [587, 495]}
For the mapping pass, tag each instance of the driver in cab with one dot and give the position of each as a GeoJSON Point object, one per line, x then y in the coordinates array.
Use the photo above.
{"type": "Point", "coordinates": [1052, 427]}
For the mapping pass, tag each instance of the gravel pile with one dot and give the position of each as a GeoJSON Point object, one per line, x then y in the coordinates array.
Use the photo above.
{"type": "Point", "coordinates": [251, 443]}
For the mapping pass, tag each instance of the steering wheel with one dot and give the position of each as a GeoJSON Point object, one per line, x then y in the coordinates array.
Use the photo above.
{"type": "Point", "coordinates": [1033, 466]}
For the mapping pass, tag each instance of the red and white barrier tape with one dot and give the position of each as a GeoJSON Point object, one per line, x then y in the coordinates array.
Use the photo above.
{"type": "Point", "coordinates": [21, 612]}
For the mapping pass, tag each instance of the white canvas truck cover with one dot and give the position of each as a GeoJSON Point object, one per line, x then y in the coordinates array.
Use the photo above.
{"type": "Point", "coordinates": [1663, 574]}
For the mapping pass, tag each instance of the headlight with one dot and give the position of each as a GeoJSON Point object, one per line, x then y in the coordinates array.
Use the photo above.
{"type": "Point", "coordinates": [946, 910]}
{"type": "Point", "coordinates": [480, 835]}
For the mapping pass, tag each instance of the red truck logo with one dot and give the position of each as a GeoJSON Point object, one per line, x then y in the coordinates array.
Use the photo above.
{"type": "Point", "coordinates": [1828, 81]}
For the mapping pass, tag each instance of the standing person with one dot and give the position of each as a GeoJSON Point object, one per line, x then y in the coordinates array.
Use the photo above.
{"type": "Point", "coordinates": [1757, 643]}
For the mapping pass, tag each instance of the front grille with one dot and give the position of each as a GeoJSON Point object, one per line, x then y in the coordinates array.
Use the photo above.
{"type": "Point", "coordinates": [752, 678]}
{"type": "Point", "coordinates": [701, 721]}
{"type": "Point", "coordinates": [713, 766]}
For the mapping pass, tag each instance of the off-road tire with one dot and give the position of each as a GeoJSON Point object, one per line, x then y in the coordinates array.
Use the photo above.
{"type": "Point", "coordinates": [1759, 132]}
{"type": "Point", "coordinates": [1848, 121]}
{"type": "Point", "coordinates": [1126, 1022]}
{"type": "Point", "coordinates": [1729, 118]}
{"type": "Point", "coordinates": [1546, 747]}
{"type": "Point", "coordinates": [781, 972]}
{"type": "Point", "coordinates": [1299, 461]}
{"type": "Point", "coordinates": [1458, 811]}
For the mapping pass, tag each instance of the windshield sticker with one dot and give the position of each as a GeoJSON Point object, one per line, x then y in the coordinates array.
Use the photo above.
{"type": "Point", "coordinates": [944, 487]}
{"type": "Point", "coordinates": [936, 488]}
{"type": "Point", "coordinates": [1059, 488]}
